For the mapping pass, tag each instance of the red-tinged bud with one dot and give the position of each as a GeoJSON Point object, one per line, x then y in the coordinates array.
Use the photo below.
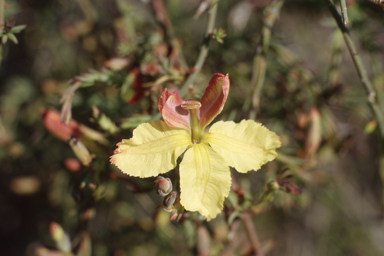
{"type": "Point", "coordinates": [173, 215]}
{"type": "Point", "coordinates": [163, 186]}
{"type": "Point", "coordinates": [314, 136]}
{"type": "Point", "coordinates": [85, 247]}
{"type": "Point", "coordinates": [177, 212]}
{"type": "Point", "coordinates": [63, 243]}
{"type": "Point", "coordinates": [291, 188]}
{"type": "Point", "coordinates": [91, 186]}
{"type": "Point", "coordinates": [72, 164]}
{"type": "Point", "coordinates": [89, 214]}
{"type": "Point", "coordinates": [117, 64]}
{"type": "Point", "coordinates": [170, 199]}
{"type": "Point", "coordinates": [302, 120]}
{"type": "Point", "coordinates": [80, 151]}
{"type": "Point", "coordinates": [51, 121]}
{"type": "Point", "coordinates": [56, 231]}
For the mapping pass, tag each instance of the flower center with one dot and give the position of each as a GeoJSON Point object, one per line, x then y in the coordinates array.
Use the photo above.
{"type": "Point", "coordinates": [192, 105]}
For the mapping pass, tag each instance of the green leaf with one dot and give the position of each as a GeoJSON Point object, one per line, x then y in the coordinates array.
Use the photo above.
{"type": "Point", "coordinates": [4, 39]}
{"type": "Point", "coordinates": [133, 122]}
{"type": "Point", "coordinates": [233, 216]}
{"type": "Point", "coordinates": [13, 38]}
{"type": "Point", "coordinates": [103, 121]}
{"type": "Point", "coordinates": [17, 29]}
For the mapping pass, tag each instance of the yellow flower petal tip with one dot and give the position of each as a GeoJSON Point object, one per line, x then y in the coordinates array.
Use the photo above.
{"type": "Point", "coordinates": [153, 149]}
{"type": "Point", "coordinates": [205, 181]}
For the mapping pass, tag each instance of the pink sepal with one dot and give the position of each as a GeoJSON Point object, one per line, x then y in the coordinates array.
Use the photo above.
{"type": "Point", "coordinates": [213, 100]}
{"type": "Point", "coordinates": [170, 108]}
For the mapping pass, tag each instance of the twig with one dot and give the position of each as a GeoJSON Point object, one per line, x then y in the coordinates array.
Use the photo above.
{"type": "Point", "coordinates": [2, 23]}
{"type": "Point", "coordinates": [343, 7]}
{"type": "Point", "coordinates": [361, 72]}
{"type": "Point", "coordinates": [162, 17]}
{"type": "Point", "coordinates": [203, 51]}
{"type": "Point", "coordinates": [259, 62]}
{"type": "Point", "coordinates": [247, 220]}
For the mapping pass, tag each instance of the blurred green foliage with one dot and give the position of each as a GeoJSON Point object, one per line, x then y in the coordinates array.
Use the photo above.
{"type": "Point", "coordinates": [109, 60]}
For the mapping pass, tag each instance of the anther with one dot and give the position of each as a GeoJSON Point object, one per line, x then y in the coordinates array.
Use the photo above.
{"type": "Point", "coordinates": [191, 104]}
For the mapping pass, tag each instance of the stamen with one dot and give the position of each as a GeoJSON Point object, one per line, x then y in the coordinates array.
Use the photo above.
{"type": "Point", "coordinates": [191, 104]}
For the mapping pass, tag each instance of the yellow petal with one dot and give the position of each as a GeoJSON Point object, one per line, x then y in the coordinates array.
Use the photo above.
{"type": "Point", "coordinates": [153, 149]}
{"type": "Point", "coordinates": [205, 181]}
{"type": "Point", "coordinates": [245, 146]}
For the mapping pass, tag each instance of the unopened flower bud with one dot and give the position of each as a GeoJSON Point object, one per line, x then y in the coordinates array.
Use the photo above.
{"type": "Point", "coordinates": [291, 188]}
{"type": "Point", "coordinates": [56, 231]}
{"type": "Point", "coordinates": [173, 215]}
{"type": "Point", "coordinates": [170, 199]}
{"type": "Point", "coordinates": [62, 240]}
{"type": "Point", "coordinates": [273, 185]}
{"type": "Point", "coordinates": [163, 186]}
{"type": "Point", "coordinates": [80, 151]}
{"type": "Point", "coordinates": [314, 136]}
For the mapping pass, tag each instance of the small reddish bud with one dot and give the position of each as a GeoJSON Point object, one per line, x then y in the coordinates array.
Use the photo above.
{"type": "Point", "coordinates": [170, 199]}
{"type": "Point", "coordinates": [163, 186]}
{"type": "Point", "coordinates": [291, 188]}
{"type": "Point", "coordinates": [72, 164]}
{"type": "Point", "coordinates": [176, 213]}
{"type": "Point", "coordinates": [51, 121]}
{"type": "Point", "coordinates": [56, 231]}
{"type": "Point", "coordinates": [63, 243]}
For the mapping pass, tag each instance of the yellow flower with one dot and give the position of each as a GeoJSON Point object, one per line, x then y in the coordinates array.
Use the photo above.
{"type": "Point", "coordinates": [205, 178]}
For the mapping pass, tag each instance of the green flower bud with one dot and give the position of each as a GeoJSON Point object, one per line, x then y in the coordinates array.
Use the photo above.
{"type": "Point", "coordinates": [273, 185]}
{"type": "Point", "coordinates": [80, 151]}
{"type": "Point", "coordinates": [163, 186]}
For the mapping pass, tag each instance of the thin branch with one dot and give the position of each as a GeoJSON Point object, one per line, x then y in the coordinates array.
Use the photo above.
{"type": "Point", "coordinates": [2, 4]}
{"type": "Point", "coordinates": [248, 223]}
{"type": "Point", "coordinates": [271, 12]}
{"type": "Point", "coordinates": [203, 51]}
{"type": "Point", "coordinates": [372, 97]}
{"type": "Point", "coordinates": [160, 11]}
{"type": "Point", "coordinates": [344, 12]}
{"type": "Point", "coordinates": [2, 23]}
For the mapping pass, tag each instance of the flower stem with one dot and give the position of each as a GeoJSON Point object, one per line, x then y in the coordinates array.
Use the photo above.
{"type": "Point", "coordinates": [2, 23]}
{"type": "Point", "coordinates": [196, 137]}
{"type": "Point", "coordinates": [247, 220]}
{"type": "Point", "coordinates": [361, 72]}
{"type": "Point", "coordinates": [343, 6]}
{"type": "Point", "coordinates": [203, 51]}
